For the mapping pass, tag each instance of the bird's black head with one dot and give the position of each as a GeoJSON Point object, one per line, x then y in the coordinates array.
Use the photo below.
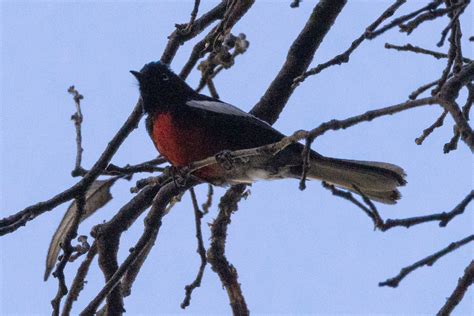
{"type": "Point", "coordinates": [161, 88]}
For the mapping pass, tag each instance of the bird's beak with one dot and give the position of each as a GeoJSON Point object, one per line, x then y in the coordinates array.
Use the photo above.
{"type": "Point", "coordinates": [137, 75]}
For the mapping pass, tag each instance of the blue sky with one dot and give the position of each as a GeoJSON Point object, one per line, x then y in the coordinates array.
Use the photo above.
{"type": "Point", "coordinates": [296, 252]}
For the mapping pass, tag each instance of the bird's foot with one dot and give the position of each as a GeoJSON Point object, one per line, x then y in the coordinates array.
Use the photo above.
{"type": "Point", "coordinates": [225, 159]}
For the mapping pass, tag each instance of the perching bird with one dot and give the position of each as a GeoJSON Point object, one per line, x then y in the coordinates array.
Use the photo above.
{"type": "Point", "coordinates": [186, 126]}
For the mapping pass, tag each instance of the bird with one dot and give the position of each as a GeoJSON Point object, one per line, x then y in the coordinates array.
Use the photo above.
{"type": "Point", "coordinates": [186, 126]}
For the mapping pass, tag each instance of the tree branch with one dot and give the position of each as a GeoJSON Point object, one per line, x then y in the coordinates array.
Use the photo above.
{"type": "Point", "coordinates": [216, 253]}
{"type": "Point", "coordinates": [200, 250]}
{"type": "Point", "coordinates": [463, 283]}
{"type": "Point", "coordinates": [152, 226]}
{"type": "Point", "coordinates": [344, 57]}
{"type": "Point", "coordinates": [298, 59]}
{"type": "Point", "coordinates": [178, 37]}
{"type": "Point", "coordinates": [428, 261]}
{"type": "Point", "coordinates": [13, 222]}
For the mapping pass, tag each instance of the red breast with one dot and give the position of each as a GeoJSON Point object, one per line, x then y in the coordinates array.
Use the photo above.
{"type": "Point", "coordinates": [182, 142]}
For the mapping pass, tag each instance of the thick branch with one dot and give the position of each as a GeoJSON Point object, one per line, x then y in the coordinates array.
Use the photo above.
{"type": "Point", "coordinates": [447, 97]}
{"type": "Point", "coordinates": [108, 240]}
{"type": "Point", "coordinates": [298, 59]}
{"type": "Point", "coordinates": [216, 253]}
{"type": "Point", "coordinates": [152, 226]}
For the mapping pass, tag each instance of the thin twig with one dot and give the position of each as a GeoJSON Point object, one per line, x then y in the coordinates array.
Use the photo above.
{"type": "Point", "coordinates": [177, 38]}
{"type": "Point", "coordinates": [193, 16]}
{"type": "Point", "coordinates": [420, 50]}
{"type": "Point", "coordinates": [147, 166]}
{"type": "Point", "coordinates": [370, 210]}
{"type": "Point", "coordinates": [428, 261]}
{"type": "Point", "coordinates": [422, 89]}
{"type": "Point", "coordinates": [453, 142]}
{"type": "Point", "coordinates": [349, 197]}
{"type": "Point", "coordinates": [344, 57]}
{"type": "Point", "coordinates": [77, 118]}
{"type": "Point", "coordinates": [444, 218]}
{"type": "Point", "coordinates": [200, 250]}
{"type": "Point", "coordinates": [79, 280]}
{"type": "Point", "coordinates": [398, 21]}
{"type": "Point", "coordinates": [13, 222]}
{"type": "Point", "coordinates": [207, 205]}
{"type": "Point", "coordinates": [452, 24]}
{"type": "Point", "coordinates": [427, 16]}
{"type": "Point", "coordinates": [447, 69]}
{"type": "Point", "coordinates": [67, 252]}
{"type": "Point", "coordinates": [469, 101]}
{"type": "Point", "coordinates": [438, 123]}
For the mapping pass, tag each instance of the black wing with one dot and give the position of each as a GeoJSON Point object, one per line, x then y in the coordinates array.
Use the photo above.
{"type": "Point", "coordinates": [239, 128]}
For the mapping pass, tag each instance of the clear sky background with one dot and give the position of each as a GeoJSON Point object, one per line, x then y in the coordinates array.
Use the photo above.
{"type": "Point", "coordinates": [296, 252]}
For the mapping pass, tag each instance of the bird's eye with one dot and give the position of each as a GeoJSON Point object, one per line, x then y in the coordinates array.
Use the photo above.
{"type": "Point", "coordinates": [164, 77]}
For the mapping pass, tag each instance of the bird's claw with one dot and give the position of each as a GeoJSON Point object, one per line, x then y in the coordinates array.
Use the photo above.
{"type": "Point", "coordinates": [225, 159]}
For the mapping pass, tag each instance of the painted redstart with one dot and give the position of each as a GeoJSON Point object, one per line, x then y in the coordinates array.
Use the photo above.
{"type": "Point", "coordinates": [186, 126]}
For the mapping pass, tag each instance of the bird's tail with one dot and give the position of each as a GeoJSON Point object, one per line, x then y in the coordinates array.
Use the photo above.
{"type": "Point", "coordinates": [377, 180]}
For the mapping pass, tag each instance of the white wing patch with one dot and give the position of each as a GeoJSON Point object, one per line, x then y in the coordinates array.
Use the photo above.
{"type": "Point", "coordinates": [218, 107]}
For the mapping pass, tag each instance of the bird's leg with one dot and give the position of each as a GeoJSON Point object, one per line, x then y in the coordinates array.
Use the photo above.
{"type": "Point", "coordinates": [180, 175]}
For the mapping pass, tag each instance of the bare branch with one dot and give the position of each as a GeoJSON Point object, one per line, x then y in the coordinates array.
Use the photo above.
{"type": "Point", "coordinates": [431, 128]}
{"type": "Point", "coordinates": [132, 272]}
{"type": "Point", "coordinates": [344, 57]}
{"type": "Point", "coordinates": [79, 280]}
{"type": "Point", "coordinates": [427, 16]}
{"type": "Point", "coordinates": [370, 210]}
{"type": "Point", "coordinates": [428, 261]}
{"type": "Point", "coordinates": [67, 251]}
{"type": "Point", "coordinates": [152, 226]}
{"type": "Point", "coordinates": [463, 283]}
{"type": "Point", "coordinates": [13, 222]}
{"type": "Point", "coordinates": [422, 89]}
{"type": "Point", "coordinates": [469, 101]}
{"type": "Point", "coordinates": [200, 250]}
{"type": "Point", "coordinates": [298, 59]}
{"type": "Point", "coordinates": [453, 142]}
{"type": "Point", "coordinates": [420, 50]}
{"type": "Point", "coordinates": [216, 253]}
{"type": "Point", "coordinates": [207, 205]}
{"type": "Point", "coordinates": [449, 93]}
{"type": "Point", "coordinates": [444, 218]}
{"type": "Point", "coordinates": [77, 118]}
{"type": "Point", "coordinates": [178, 37]}
{"type": "Point", "coordinates": [398, 21]}
{"type": "Point", "coordinates": [193, 16]}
